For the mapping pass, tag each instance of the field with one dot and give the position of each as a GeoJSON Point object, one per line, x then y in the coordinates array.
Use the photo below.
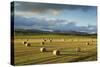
{"type": "Point", "coordinates": [66, 44]}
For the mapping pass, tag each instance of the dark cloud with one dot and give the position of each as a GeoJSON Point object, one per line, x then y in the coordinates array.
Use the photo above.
{"type": "Point", "coordinates": [42, 7]}
{"type": "Point", "coordinates": [72, 26]}
{"type": "Point", "coordinates": [20, 20]}
{"type": "Point", "coordinates": [43, 24]}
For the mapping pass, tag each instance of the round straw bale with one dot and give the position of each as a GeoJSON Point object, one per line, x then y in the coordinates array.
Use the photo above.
{"type": "Point", "coordinates": [24, 42]}
{"type": "Point", "coordinates": [63, 39]}
{"type": "Point", "coordinates": [87, 43]}
{"type": "Point", "coordinates": [42, 43]}
{"type": "Point", "coordinates": [28, 44]}
{"type": "Point", "coordinates": [44, 39]}
{"type": "Point", "coordinates": [50, 40]}
{"type": "Point", "coordinates": [43, 49]}
{"type": "Point", "coordinates": [78, 49]}
{"type": "Point", "coordinates": [56, 52]}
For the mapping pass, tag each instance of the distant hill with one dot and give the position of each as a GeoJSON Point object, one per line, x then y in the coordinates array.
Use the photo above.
{"type": "Point", "coordinates": [34, 31]}
{"type": "Point", "coordinates": [29, 31]}
{"type": "Point", "coordinates": [72, 32]}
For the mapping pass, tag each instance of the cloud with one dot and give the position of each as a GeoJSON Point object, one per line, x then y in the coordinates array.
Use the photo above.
{"type": "Point", "coordinates": [20, 20]}
{"type": "Point", "coordinates": [51, 24]}
{"type": "Point", "coordinates": [31, 9]}
{"type": "Point", "coordinates": [72, 26]}
{"type": "Point", "coordinates": [50, 16]}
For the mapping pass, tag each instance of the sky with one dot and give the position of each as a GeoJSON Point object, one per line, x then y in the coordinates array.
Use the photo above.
{"type": "Point", "coordinates": [50, 17]}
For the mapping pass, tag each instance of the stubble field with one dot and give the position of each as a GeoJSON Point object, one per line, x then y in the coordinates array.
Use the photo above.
{"type": "Point", "coordinates": [71, 48]}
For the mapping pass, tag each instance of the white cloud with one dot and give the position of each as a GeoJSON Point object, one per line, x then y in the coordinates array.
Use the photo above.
{"type": "Point", "coordinates": [25, 14]}
{"type": "Point", "coordinates": [38, 13]}
{"type": "Point", "coordinates": [54, 11]}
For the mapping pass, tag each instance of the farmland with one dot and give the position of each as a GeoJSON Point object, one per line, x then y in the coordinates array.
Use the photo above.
{"type": "Point", "coordinates": [66, 44]}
